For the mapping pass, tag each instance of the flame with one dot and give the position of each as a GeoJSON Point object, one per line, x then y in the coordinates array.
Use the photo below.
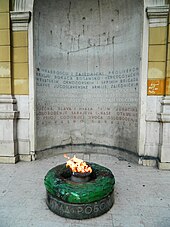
{"type": "Point", "coordinates": [77, 165]}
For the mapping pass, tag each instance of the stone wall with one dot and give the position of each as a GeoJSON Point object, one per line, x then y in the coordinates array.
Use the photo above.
{"type": "Point", "coordinates": [87, 63]}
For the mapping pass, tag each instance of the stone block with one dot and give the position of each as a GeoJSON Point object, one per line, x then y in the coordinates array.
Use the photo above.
{"type": "Point", "coordinates": [23, 106]}
{"type": "Point", "coordinates": [168, 51]}
{"type": "Point", "coordinates": [157, 52]}
{"type": "Point", "coordinates": [156, 70]}
{"type": "Point", "coordinates": [152, 132]}
{"type": "Point", "coordinates": [152, 139]}
{"type": "Point", "coordinates": [8, 148]}
{"type": "Point", "coordinates": [21, 86]}
{"type": "Point", "coordinates": [5, 85]}
{"type": "Point", "coordinates": [165, 147]}
{"type": "Point", "coordinates": [4, 21]}
{"type": "Point", "coordinates": [166, 133]}
{"type": "Point", "coordinates": [151, 149]}
{"type": "Point", "coordinates": [157, 35]}
{"type": "Point", "coordinates": [20, 70]}
{"type": "Point", "coordinates": [145, 162]}
{"type": "Point", "coordinates": [8, 132]}
{"type": "Point", "coordinates": [153, 107]}
{"type": "Point", "coordinates": [165, 153]}
{"type": "Point", "coordinates": [4, 6]}
{"type": "Point", "coordinates": [168, 67]}
{"type": "Point", "coordinates": [7, 104]}
{"type": "Point", "coordinates": [5, 69]}
{"type": "Point", "coordinates": [23, 129]}
{"type": "Point", "coordinates": [20, 54]}
{"type": "Point", "coordinates": [4, 37]}
{"type": "Point", "coordinates": [25, 158]}
{"type": "Point", "coordinates": [20, 39]}
{"type": "Point", "coordinates": [169, 31]}
{"type": "Point", "coordinates": [23, 146]}
{"type": "Point", "coordinates": [9, 160]}
{"type": "Point", "coordinates": [5, 53]}
{"type": "Point", "coordinates": [164, 165]}
{"type": "Point", "coordinates": [8, 123]}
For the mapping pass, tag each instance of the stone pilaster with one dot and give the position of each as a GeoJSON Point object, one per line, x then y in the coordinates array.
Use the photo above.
{"type": "Point", "coordinates": [8, 134]}
{"type": "Point", "coordinates": [157, 55]}
{"type": "Point", "coordinates": [20, 58]}
{"type": "Point", "coordinates": [158, 30]}
{"type": "Point", "coordinates": [164, 118]}
{"type": "Point", "coordinates": [8, 104]}
{"type": "Point", "coordinates": [158, 116]}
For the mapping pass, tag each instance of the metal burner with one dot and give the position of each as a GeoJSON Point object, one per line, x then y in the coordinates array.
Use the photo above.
{"type": "Point", "coordinates": [80, 177]}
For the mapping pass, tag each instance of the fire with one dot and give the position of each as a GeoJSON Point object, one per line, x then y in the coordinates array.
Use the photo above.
{"type": "Point", "coordinates": [77, 165]}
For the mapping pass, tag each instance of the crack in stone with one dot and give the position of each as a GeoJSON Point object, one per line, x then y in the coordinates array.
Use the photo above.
{"type": "Point", "coordinates": [89, 47]}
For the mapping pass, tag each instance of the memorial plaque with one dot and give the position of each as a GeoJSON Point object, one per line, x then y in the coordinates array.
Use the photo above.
{"type": "Point", "coordinates": [87, 57]}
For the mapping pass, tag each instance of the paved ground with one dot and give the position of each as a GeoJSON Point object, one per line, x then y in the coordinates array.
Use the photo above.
{"type": "Point", "coordinates": [142, 195]}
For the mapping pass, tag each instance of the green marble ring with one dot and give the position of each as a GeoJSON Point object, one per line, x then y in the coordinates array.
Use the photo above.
{"type": "Point", "coordinates": [58, 184]}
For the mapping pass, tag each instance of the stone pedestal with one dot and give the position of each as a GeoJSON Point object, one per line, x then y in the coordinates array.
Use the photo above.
{"type": "Point", "coordinates": [164, 150]}
{"type": "Point", "coordinates": [8, 132]}
{"type": "Point", "coordinates": [158, 105]}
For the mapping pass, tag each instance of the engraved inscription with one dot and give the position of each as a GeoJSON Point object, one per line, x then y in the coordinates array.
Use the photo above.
{"type": "Point", "coordinates": [90, 209]}
{"type": "Point", "coordinates": [87, 72]}
{"type": "Point", "coordinates": [53, 79]}
{"type": "Point", "coordinates": [126, 114]}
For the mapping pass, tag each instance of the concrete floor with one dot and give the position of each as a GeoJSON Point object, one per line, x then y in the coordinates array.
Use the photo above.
{"type": "Point", "coordinates": [142, 195]}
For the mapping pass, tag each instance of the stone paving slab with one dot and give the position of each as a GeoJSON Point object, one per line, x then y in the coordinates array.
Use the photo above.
{"type": "Point", "coordinates": [142, 195]}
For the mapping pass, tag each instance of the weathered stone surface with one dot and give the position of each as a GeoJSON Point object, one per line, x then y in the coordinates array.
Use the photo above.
{"type": "Point", "coordinates": [80, 211]}
{"type": "Point", "coordinates": [87, 57]}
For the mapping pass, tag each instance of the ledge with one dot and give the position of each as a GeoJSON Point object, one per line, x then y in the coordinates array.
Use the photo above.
{"type": "Point", "coordinates": [9, 115]}
{"type": "Point", "coordinates": [20, 20]}
{"type": "Point", "coordinates": [9, 160]}
{"type": "Point", "coordinates": [157, 11]}
{"type": "Point", "coordinates": [166, 101]}
{"type": "Point", "coordinates": [25, 157]}
{"type": "Point", "coordinates": [7, 100]}
{"type": "Point", "coordinates": [164, 165]}
{"type": "Point", "coordinates": [164, 117]}
{"type": "Point", "coordinates": [158, 15]}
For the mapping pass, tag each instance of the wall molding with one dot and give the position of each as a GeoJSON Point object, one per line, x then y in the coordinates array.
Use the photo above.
{"type": "Point", "coordinates": [20, 20]}
{"type": "Point", "coordinates": [158, 15]}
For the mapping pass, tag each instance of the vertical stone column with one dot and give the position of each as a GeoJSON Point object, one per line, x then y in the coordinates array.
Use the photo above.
{"type": "Point", "coordinates": [158, 30]}
{"type": "Point", "coordinates": [164, 116]}
{"type": "Point", "coordinates": [20, 23]}
{"type": "Point", "coordinates": [167, 88]}
{"type": "Point", "coordinates": [158, 118]}
{"type": "Point", "coordinates": [158, 20]}
{"type": "Point", "coordinates": [8, 108]}
{"type": "Point", "coordinates": [20, 52]}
